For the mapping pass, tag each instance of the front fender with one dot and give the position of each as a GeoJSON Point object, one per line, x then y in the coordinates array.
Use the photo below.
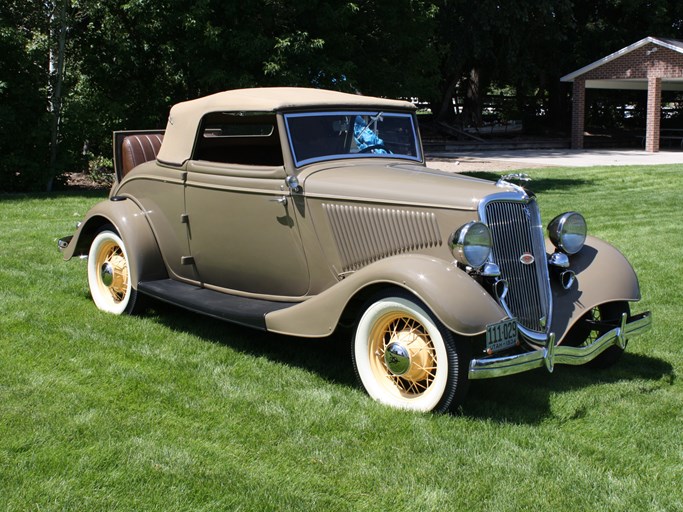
{"type": "Point", "coordinates": [602, 275]}
{"type": "Point", "coordinates": [133, 227]}
{"type": "Point", "coordinates": [456, 299]}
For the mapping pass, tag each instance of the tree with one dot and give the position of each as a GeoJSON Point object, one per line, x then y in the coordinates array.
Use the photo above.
{"type": "Point", "coordinates": [24, 121]}
{"type": "Point", "coordinates": [57, 43]}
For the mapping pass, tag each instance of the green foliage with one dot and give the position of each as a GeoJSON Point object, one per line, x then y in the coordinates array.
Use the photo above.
{"type": "Point", "coordinates": [128, 62]}
{"type": "Point", "coordinates": [173, 411]}
{"type": "Point", "coordinates": [24, 122]}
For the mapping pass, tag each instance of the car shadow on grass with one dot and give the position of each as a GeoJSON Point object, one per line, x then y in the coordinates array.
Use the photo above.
{"type": "Point", "coordinates": [330, 357]}
{"type": "Point", "coordinates": [526, 398]}
{"type": "Point", "coordinates": [519, 399]}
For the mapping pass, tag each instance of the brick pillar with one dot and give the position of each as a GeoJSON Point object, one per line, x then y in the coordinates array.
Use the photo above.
{"type": "Point", "coordinates": [654, 114]}
{"type": "Point", "coordinates": [578, 112]}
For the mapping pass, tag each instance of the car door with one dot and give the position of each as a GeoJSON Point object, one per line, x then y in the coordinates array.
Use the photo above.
{"type": "Point", "coordinates": [160, 192]}
{"type": "Point", "coordinates": [242, 222]}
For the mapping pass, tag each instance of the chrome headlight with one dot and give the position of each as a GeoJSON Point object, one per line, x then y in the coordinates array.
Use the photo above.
{"type": "Point", "coordinates": [471, 244]}
{"type": "Point", "coordinates": [568, 232]}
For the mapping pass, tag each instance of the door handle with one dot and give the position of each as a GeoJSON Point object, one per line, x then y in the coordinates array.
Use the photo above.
{"type": "Point", "coordinates": [282, 200]}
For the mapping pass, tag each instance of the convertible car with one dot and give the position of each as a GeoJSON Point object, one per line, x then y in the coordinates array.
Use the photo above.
{"type": "Point", "coordinates": [297, 210]}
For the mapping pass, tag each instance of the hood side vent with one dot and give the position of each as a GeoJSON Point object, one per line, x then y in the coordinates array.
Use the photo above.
{"type": "Point", "coordinates": [364, 235]}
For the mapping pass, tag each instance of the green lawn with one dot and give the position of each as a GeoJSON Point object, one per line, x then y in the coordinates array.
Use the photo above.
{"type": "Point", "coordinates": [173, 411]}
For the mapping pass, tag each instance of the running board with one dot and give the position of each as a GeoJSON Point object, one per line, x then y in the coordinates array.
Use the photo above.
{"type": "Point", "coordinates": [232, 308]}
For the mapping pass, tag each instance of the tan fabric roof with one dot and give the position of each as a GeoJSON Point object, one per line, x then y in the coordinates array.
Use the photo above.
{"type": "Point", "coordinates": [184, 117]}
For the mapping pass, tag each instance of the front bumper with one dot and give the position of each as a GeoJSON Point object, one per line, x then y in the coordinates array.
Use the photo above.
{"type": "Point", "coordinates": [552, 354]}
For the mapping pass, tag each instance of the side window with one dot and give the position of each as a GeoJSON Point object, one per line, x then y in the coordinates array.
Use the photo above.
{"type": "Point", "coordinates": [239, 138]}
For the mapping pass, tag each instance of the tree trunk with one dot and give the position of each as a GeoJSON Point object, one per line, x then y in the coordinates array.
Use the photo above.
{"type": "Point", "coordinates": [56, 78]}
{"type": "Point", "coordinates": [443, 109]}
{"type": "Point", "coordinates": [472, 105]}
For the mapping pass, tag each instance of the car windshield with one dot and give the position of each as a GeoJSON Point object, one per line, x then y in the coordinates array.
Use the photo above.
{"type": "Point", "coordinates": [318, 136]}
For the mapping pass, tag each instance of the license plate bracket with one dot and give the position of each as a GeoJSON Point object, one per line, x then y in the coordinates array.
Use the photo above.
{"type": "Point", "coordinates": [501, 335]}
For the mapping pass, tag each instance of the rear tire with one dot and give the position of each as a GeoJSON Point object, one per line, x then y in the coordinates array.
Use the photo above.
{"type": "Point", "coordinates": [109, 274]}
{"type": "Point", "coordinates": [584, 333]}
{"type": "Point", "coordinates": [406, 358]}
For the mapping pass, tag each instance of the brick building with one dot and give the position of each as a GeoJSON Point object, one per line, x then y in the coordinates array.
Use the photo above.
{"type": "Point", "coordinates": [652, 64]}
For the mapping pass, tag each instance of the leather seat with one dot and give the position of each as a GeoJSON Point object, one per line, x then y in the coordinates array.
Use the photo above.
{"type": "Point", "coordinates": [138, 149]}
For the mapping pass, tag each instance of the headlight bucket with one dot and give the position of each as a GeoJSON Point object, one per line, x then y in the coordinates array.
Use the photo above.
{"type": "Point", "coordinates": [567, 232]}
{"type": "Point", "coordinates": [471, 244]}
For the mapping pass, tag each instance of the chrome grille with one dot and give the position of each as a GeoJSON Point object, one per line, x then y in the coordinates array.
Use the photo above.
{"type": "Point", "coordinates": [516, 230]}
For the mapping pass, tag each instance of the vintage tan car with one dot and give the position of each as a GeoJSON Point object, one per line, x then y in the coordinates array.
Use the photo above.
{"type": "Point", "coordinates": [298, 210]}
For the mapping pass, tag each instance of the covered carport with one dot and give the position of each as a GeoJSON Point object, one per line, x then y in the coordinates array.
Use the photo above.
{"type": "Point", "coordinates": [651, 64]}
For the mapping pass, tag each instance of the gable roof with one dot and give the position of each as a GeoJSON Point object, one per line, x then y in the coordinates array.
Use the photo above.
{"type": "Point", "coordinates": [671, 44]}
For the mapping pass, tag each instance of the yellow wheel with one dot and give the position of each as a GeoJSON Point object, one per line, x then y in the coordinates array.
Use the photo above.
{"type": "Point", "coordinates": [404, 357]}
{"type": "Point", "coordinates": [109, 274]}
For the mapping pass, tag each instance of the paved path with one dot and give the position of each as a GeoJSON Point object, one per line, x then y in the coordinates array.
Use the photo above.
{"type": "Point", "coordinates": [567, 157]}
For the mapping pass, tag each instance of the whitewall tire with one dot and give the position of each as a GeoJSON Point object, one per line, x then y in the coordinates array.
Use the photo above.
{"type": "Point", "coordinates": [405, 358]}
{"type": "Point", "coordinates": [109, 274]}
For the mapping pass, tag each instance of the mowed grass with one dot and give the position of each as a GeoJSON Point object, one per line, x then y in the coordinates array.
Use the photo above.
{"type": "Point", "coordinates": [174, 411]}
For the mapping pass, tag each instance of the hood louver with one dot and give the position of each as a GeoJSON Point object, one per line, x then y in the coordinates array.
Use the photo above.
{"type": "Point", "coordinates": [364, 234]}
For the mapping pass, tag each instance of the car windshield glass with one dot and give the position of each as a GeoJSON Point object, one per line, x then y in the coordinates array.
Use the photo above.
{"type": "Point", "coordinates": [317, 136]}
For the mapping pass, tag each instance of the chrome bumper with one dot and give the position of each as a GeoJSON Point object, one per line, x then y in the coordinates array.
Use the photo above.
{"type": "Point", "coordinates": [551, 355]}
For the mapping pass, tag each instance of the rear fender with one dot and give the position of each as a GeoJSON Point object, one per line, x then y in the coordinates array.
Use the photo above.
{"type": "Point", "coordinates": [456, 299]}
{"type": "Point", "coordinates": [602, 275]}
{"type": "Point", "coordinates": [133, 227]}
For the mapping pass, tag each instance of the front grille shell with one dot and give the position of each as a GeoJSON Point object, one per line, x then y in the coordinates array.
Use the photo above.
{"type": "Point", "coordinates": [517, 231]}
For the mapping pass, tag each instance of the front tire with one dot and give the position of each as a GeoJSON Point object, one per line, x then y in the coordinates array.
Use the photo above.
{"type": "Point", "coordinates": [109, 274]}
{"type": "Point", "coordinates": [406, 358]}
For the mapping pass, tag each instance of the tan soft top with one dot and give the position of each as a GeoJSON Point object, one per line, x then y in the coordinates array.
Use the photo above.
{"type": "Point", "coordinates": [184, 117]}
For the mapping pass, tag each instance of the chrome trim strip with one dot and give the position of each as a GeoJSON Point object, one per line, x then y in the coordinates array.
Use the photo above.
{"type": "Point", "coordinates": [487, 368]}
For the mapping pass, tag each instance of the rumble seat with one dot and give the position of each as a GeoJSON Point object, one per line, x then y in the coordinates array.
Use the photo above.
{"type": "Point", "coordinates": [138, 149]}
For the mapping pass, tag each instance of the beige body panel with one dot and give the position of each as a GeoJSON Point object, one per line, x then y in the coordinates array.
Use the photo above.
{"type": "Point", "coordinates": [132, 224]}
{"type": "Point", "coordinates": [361, 225]}
{"type": "Point", "coordinates": [454, 297]}
{"type": "Point", "coordinates": [160, 192]}
{"type": "Point", "coordinates": [244, 233]}
{"type": "Point", "coordinates": [396, 184]}
{"type": "Point", "coordinates": [602, 275]}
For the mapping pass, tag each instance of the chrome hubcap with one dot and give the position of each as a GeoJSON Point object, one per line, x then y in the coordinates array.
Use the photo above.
{"type": "Point", "coordinates": [107, 274]}
{"type": "Point", "coordinates": [397, 358]}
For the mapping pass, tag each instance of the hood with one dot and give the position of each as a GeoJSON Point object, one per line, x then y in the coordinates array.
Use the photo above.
{"type": "Point", "coordinates": [404, 184]}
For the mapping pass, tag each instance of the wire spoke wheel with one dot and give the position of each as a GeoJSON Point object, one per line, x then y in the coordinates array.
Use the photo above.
{"type": "Point", "coordinates": [109, 274]}
{"type": "Point", "coordinates": [405, 357]}
{"type": "Point", "coordinates": [404, 335]}
{"type": "Point", "coordinates": [114, 271]}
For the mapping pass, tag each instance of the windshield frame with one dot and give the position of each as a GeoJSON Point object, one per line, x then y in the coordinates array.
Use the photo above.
{"type": "Point", "coordinates": [353, 112]}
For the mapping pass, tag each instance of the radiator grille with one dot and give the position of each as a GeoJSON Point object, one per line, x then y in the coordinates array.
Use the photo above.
{"type": "Point", "coordinates": [516, 230]}
{"type": "Point", "coordinates": [364, 234]}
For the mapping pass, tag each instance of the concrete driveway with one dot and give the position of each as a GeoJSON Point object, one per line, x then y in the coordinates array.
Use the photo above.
{"type": "Point", "coordinates": [566, 157]}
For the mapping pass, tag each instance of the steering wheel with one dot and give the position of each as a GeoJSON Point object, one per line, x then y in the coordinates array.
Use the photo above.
{"type": "Point", "coordinates": [367, 149]}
